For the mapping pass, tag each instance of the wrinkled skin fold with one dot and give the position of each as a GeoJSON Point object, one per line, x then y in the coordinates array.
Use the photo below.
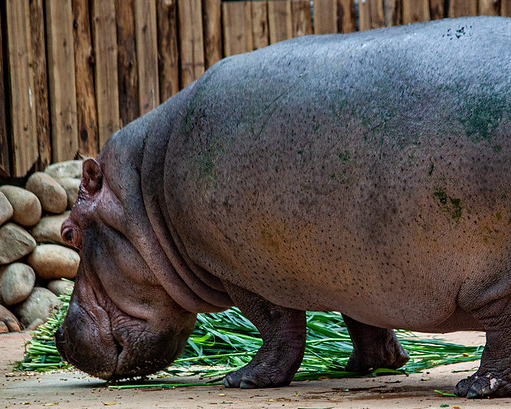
{"type": "Point", "coordinates": [367, 173]}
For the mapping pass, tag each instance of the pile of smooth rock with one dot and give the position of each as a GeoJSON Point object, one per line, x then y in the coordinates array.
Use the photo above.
{"type": "Point", "coordinates": [33, 257]}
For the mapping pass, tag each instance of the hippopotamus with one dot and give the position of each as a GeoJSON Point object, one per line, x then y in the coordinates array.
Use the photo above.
{"type": "Point", "coordinates": [365, 173]}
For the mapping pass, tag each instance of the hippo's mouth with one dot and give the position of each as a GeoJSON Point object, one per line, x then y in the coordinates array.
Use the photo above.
{"type": "Point", "coordinates": [110, 344]}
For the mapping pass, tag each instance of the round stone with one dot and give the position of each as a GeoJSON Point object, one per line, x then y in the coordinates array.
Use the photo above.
{"type": "Point", "coordinates": [48, 229]}
{"type": "Point", "coordinates": [51, 262]}
{"type": "Point", "coordinates": [16, 283]}
{"type": "Point", "coordinates": [8, 321]}
{"type": "Point", "coordinates": [72, 187]}
{"type": "Point", "coordinates": [15, 242]}
{"type": "Point", "coordinates": [67, 169]}
{"type": "Point", "coordinates": [40, 305]}
{"type": "Point", "coordinates": [6, 210]}
{"type": "Point", "coordinates": [26, 206]}
{"type": "Point", "coordinates": [61, 287]}
{"type": "Point", "coordinates": [52, 196]}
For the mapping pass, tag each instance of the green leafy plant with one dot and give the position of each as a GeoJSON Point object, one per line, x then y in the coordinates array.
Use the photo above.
{"type": "Point", "coordinates": [225, 341]}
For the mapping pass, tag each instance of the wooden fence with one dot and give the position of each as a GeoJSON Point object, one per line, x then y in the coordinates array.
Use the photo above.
{"type": "Point", "coordinates": [74, 71]}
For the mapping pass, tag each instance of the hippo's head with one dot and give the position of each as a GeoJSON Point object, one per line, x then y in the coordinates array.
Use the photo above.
{"type": "Point", "coordinates": [121, 322]}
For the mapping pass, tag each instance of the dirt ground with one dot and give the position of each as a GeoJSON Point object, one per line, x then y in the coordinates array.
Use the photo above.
{"type": "Point", "coordinates": [74, 390]}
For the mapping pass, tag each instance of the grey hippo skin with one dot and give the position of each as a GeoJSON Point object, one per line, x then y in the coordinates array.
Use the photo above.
{"type": "Point", "coordinates": [367, 173]}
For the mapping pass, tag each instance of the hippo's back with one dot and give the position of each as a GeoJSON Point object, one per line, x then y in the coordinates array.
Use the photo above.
{"type": "Point", "coordinates": [368, 173]}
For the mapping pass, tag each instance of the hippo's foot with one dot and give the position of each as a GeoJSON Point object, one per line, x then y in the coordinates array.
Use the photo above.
{"type": "Point", "coordinates": [267, 369]}
{"type": "Point", "coordinates": [283, 333]}
{"type": "Point", "coordinates": [483, 386]}
{"type": "Point", "coordinates": [373, 348]}
{"type": "Point", "coordinates": [493, 378]}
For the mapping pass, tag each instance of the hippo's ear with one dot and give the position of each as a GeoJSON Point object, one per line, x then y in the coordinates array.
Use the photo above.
{"type": "Point", "coordinates": [92, 176]}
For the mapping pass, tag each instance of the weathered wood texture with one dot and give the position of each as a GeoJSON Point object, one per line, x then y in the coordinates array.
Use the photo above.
{"type": "Point", "coordinates": [212, 24]}
{"type": "Point", "coordinates": [458, 8]}
{"type": "Point", "coordinates": [106, 77]}
{"type": "Point", "coordinates": [168, 56]}
{"type": "Point", "coordinates": [61, 74]}
{"type": "Point", "coordinates": [325, 16]}
{"type": "Point", "coordinates": [21, 85]}
{"type": "Point", "coordinates": [237, 16]}
{"type": "Point", "coordinates": [147, 54]}
{"type": "Point", "coordinates": [415, 10]}
{"type": "Point", "coordinates": [191, 44]}
{"type": "Point", "coordinates": [87, 115]}
{"type": "Point", "coordinates": [259, 15]}
{"type": "Point", "coordinates": [301, 18]}
{"type": "Point", "coordinates": [505, 8]}
{"type": "Point", "coordinates": [127, 62]}
{"type": "Point", "coordinates": [40, 83]}
{"type": "Point", "coordinates": [72, 72]}
{"type": "Point", "coordinates": [5, 159]}
{"type": "Point", "coordinates": [280, 23]}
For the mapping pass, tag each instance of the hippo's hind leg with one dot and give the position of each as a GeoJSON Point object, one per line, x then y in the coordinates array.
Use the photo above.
{"type": "Point", "coordinates": [373, 348]}
{"type": "Point", "coordinates": [494, 374]}
{"type": "Point", "coordinates": [493, 378]}
{"type": "Point", "coordinates": [283, 333]}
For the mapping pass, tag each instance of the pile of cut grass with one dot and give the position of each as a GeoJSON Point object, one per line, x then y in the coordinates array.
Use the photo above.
{"type": "Point", "coordinates": [225, 341]}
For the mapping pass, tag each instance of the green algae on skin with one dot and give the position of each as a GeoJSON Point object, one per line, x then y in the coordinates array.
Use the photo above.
{"type": "Point", "coordinates": [345, 156]}
{"type": "Point", "coordinates": [449, 204]}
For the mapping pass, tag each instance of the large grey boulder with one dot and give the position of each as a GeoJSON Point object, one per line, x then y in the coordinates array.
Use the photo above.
{"type": "Point", "coordinates": [15, 242]}
{"type": "Point", "coordinates": [26, 206]}
{"type": "Point", "coordinates": [6, 210]}
{"type": "Point", "coordinates": [40, 305]}
{"type": "Point", "coordinates": [60, 287]}
{"type": "Point", "coordinates": [51, 261]}
{"type": "Point", "coordinates": [16, 283]}
{"type": "Point", "coordinates": [52, 196]}
{"type": "Point", "coordinates": [48, 229]}
{"type": "Point", "coordinates": [67, 169]}
{"type": "Point", "coordinates": [8, 321]}
{"type": "Point", "coordinates": [72, 187]}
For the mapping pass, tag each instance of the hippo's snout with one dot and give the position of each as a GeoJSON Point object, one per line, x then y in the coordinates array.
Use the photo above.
{"type": "Point", "coordinates": [112, 345]}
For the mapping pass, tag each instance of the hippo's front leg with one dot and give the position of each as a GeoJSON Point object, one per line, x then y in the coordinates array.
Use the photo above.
{"type": "Point", "coordinates": [283, 333]}
{"type": "Point", "coordinates": [373, 347]}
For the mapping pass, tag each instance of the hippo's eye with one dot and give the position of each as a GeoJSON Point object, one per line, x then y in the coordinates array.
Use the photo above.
{"type": "Point", "coordinates": [68, 235]}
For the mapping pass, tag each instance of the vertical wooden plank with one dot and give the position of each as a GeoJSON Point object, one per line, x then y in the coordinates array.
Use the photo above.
{"type": "Point", "coordinates": [5, 160]}
{"type": "Point", "coordinates": [489, 7]}
{"type": "Point", "coordinates": [377, 17]}
{"type": "Point", "coordinates": [84, 73]}
{"type": "Point", "coordinates": [461, 8]}
{"type": "Point", "coordinates": [260, 35]}
{"type": "Point", "coordinates": [105, 47]}
{"type": "Point", "coordinates": [168, 61]}
{"type": "Point", "coordinates": [391, 12]}
{"type": "Point", "coordinates": [40, 83]}
{"type": "Point", "coordinates": [505, 8]}
{"type": "Point", "coordinates": [437, 9]}
{"type": "Point", "coordinates": [301, 17]}
{"type": "Point", "coordinates": [61, 75]}
{"type": "Point", "coordinates": [364, 15]}
{"type": "Point", "coordinates": [325, 16]}
{"type": "Point", "coordinates": [415, 10]}
{"type": "Point", "coordinates": [191, 45]}
{"type": "Point", "coordinates": [147, 55]}
{"type": "Point", "coordinates": [237, 27]}
{"type": "Point", "coordinates": [21, 83]}
{"type": "Point", "coordinates": [279, 20]}
{"type": "Point", "coordinates": [127, 62]}
{"type": "Point", "coordinates": [212, 22]}
{"type": "Point", "coordinates": [347, 17]}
